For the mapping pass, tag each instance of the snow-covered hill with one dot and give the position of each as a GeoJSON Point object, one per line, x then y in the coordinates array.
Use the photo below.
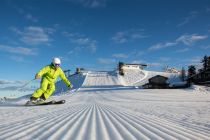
{"type": "Point", "coordinates": [141, 77]}
{"type": "Point", "coordinates": [99, 79]}
{"type": "Point", "coordinates": [103, 106]}
{"type": "Point", "coordinates": [112, 78]}
{"type": "Point", "coordinates": [132, 77]}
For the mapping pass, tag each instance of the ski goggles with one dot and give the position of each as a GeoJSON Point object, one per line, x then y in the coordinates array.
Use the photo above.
{"type": "Point", "coordinates": [57, 65]}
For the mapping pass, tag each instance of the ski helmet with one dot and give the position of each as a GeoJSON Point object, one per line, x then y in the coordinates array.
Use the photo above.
{"type": "Point", "coordinates": [56, 61]}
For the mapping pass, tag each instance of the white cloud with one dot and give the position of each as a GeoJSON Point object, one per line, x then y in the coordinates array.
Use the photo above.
{"type": "Point", "coordinates": [187, 19]}
{"type": "Point", "coordinates": [90, 3]}
{"type": "Point", "coordinates": [191, 39]}
{"type": "Point", "coordinates": [33, 35]}
{"type": "Point", "coordinates": [162, 45]}
{"type": "Point", "coordinates": [91, 44]}
{"type": "Point", "coordinates": [119, 38]}
{"type": "Point", "coordinates": [82, 41]}
{"type": "Point", "coordinates": [106, 61]}
{"type": "Point", "coordinates": [128, 35]}
{"type": "Point", "coordinates": [120, 55]}
{"type": "Point", "coordinates": [74, 51]}
{"type": "Point", "coordinates": [188, 40]}
{"type": "Point", "coordinates": [17, 50]}
{"type": "Point", "coordinates": [5, 82]}
{"type": "Point", "coordinates": [23, 12]}
{"type": "Point", "coordinates": [31, 18]}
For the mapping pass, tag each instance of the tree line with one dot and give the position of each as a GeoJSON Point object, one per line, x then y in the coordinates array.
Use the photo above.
{"type": "Point", "coordinates": [202, 74]}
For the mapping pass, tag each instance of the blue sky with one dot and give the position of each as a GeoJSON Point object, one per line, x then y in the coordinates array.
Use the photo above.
{"type": "Point", "coordinates": [97, 34]}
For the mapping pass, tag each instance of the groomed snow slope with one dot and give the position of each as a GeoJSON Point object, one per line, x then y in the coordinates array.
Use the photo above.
{"type": "Point", "coordinates": [101, 79]}
{"type": "Point", "coordinates": [131, 77]}
{"type": "Point", "coordinates": [109, 112]}
{"type": "Point", "coordinates": [125, 114]}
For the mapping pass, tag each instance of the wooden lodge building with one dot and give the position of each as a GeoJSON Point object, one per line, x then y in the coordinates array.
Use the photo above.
{"type": "Point", "coordinates": [157, 82]}
{"type": "Point", "coordinates": [202, 78]}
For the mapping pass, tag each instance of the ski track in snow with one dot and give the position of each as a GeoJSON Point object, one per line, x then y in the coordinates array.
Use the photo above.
{"type": "Point", "coordinates": [113, 114]}
{"type": "Point", "coordinates": [94, 119]}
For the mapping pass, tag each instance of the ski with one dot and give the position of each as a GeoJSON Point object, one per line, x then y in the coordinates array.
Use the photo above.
{"type": "Point", "coordinates": [53, 102]}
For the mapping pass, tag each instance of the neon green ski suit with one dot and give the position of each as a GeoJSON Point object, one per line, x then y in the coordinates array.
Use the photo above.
{"type": "Point", "coordinates": [49, 74]}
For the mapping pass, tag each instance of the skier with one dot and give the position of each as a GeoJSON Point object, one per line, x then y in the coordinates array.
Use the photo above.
{"type": "Point", "coordinates": [49, 74]}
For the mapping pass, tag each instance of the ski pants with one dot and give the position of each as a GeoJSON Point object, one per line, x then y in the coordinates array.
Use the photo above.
{"type": "Point", "coordinates": [46, 88]}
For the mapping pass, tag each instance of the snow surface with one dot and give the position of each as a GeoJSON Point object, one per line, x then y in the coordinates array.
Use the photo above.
{"type": "Point", "coordinates": [104, 106]}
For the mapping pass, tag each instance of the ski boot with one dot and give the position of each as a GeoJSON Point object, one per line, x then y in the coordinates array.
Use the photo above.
{"type": "Point", "coordinates": [32, 101]}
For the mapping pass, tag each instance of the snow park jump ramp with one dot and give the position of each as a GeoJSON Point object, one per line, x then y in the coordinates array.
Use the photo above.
{"type": "Point", "coordinates": [103, 110]}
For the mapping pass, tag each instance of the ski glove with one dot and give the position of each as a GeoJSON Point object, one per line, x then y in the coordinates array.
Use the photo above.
{"type": "Point", "coordinates": [37, 76]}
{"type": "Point", "coordinates": [70, 86]}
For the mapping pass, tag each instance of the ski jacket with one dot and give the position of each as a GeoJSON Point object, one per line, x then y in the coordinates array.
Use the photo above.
{"type": "Point", "coordinates": [50, 73]}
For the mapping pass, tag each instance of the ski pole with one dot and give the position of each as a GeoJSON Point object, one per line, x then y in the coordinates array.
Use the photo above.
{"type": "Point", "coordinates": [19, 88]}
{"type": "Point", "coordinates": [26, 84]}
